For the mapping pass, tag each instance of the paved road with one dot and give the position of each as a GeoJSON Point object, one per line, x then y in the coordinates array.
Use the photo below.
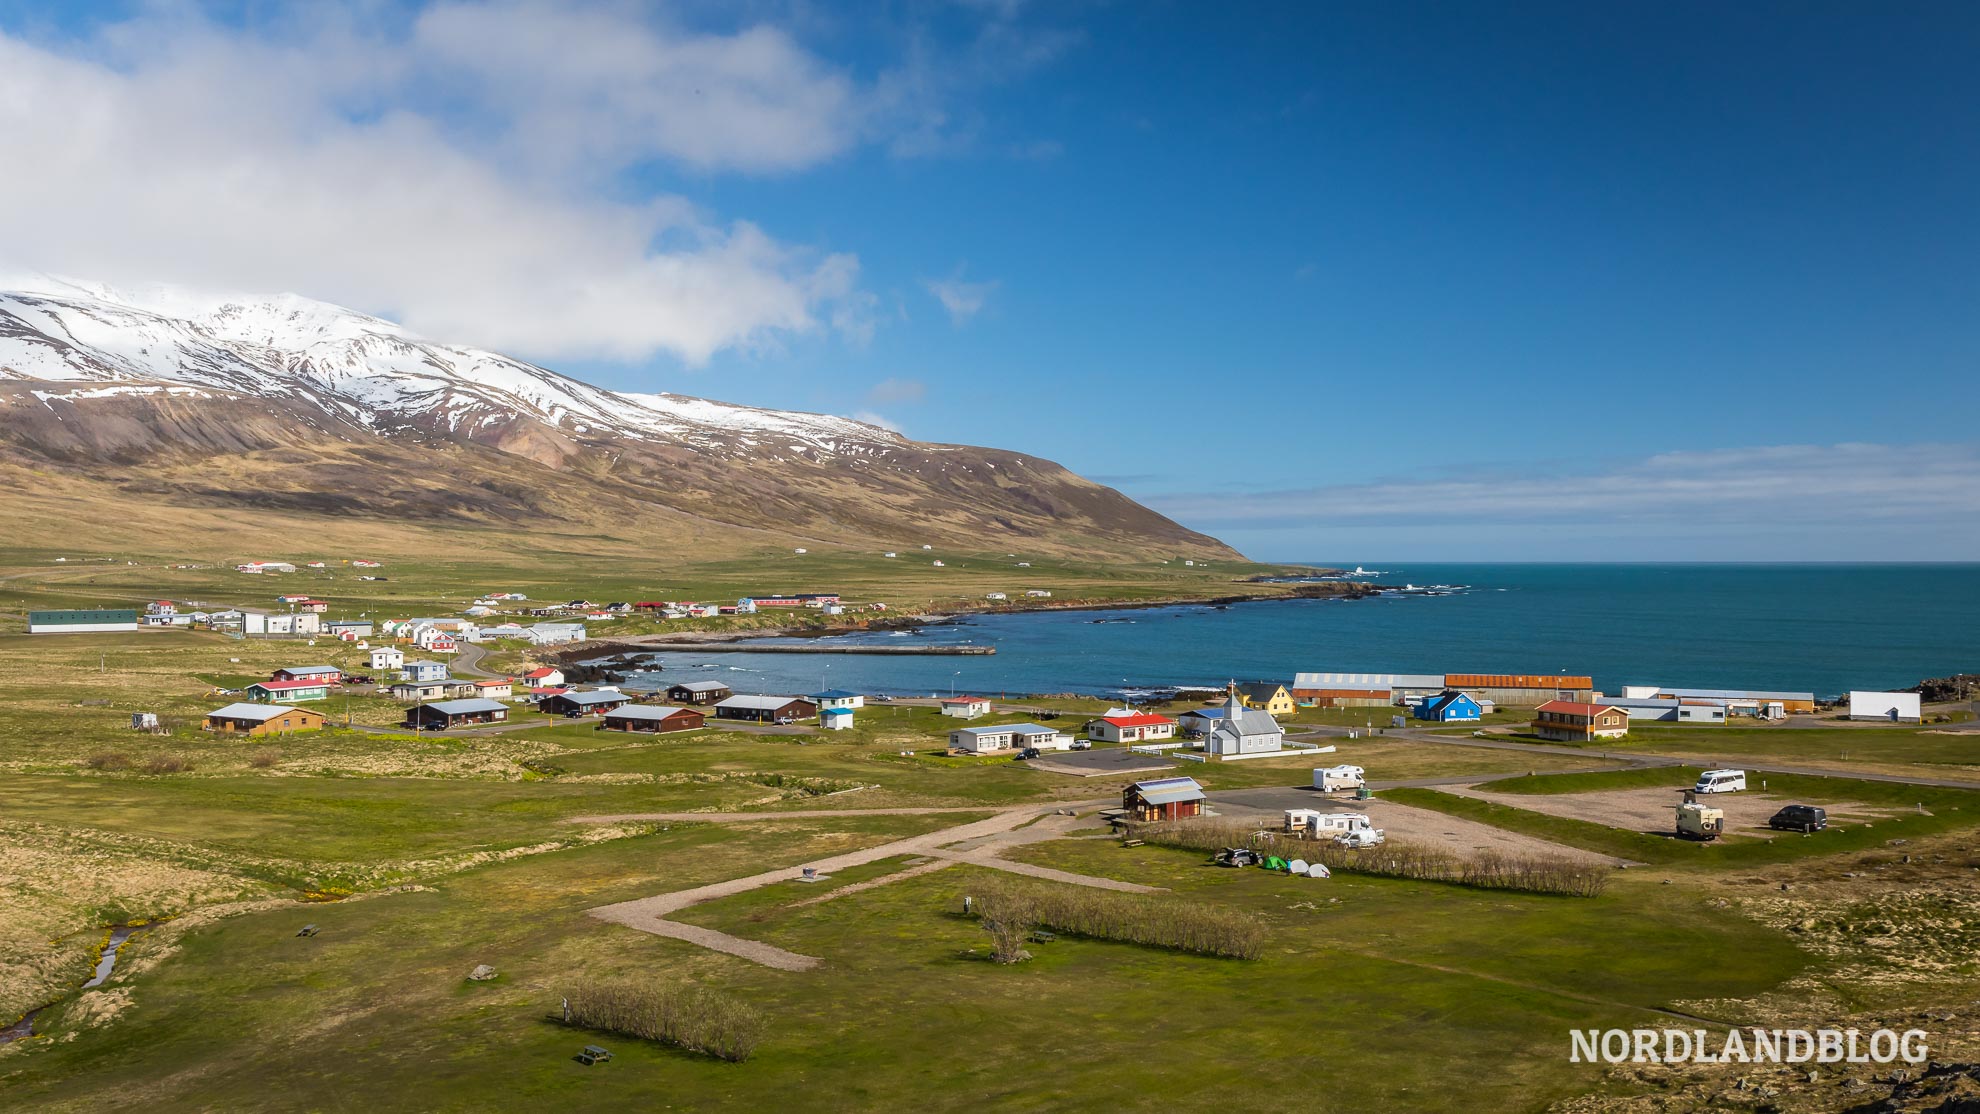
{"type": "Point", "coordinates": [467, 663]}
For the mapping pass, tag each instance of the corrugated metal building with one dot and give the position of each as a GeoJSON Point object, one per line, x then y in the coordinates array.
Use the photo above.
{"type": "Point", "coordinates": [1522, 689]}
{"type": "Point", "coordinates": [81, 622]}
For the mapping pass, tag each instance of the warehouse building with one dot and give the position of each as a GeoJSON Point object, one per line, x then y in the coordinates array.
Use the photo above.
{"type": "Point", "coordinates": [81, 622]}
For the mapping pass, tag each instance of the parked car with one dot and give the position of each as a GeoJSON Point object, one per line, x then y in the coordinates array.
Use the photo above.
{"type": "Point", "coordinates": [1800, 818]}
{"type": "Point", "coordinates": [1361, 837]}
{"type": "Point", "coordinates": [1082, 744]}
{"type": "Point", "coordinates": [1028, 752]}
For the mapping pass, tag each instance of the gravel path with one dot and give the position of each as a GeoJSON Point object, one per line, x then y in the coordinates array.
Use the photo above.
{"type": "Point", "coordinates": [1653, 810]}
{"type": "Point", "coordinates": [986, 838]}
{"type": "Point", "coordinates": [738, 817]}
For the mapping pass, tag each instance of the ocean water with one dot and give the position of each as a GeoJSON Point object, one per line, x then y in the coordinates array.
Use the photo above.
{"type": "Point", "coordinates": [1819, 628]}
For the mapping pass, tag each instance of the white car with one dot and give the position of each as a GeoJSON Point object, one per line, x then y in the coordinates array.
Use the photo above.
{"type": "Point", "coordinates": [1720, 781]}
{"type": "Point", "coordinates": [1361, 837]}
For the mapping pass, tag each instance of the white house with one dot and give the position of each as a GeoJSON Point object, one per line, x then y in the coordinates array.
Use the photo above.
{"type": "Point", "coordinates": [966, 707]}
{"type": "Point", "coordinates": [835, 699]}
{"type": "Point", "coordinates": [1242, 730]}
{"type": "Point", "coordinates": [1894, 707]}
{"type": "Point", "coordinates": [254, 621]}
{"type": "Point", "coordinates": [1010, 736]}
{"type": "Point", "coordinates": [1131, 727]}
{"type": "Point", "coordinates": [549, 634]}
{"type": "Point", "coordinates": [388, 658]}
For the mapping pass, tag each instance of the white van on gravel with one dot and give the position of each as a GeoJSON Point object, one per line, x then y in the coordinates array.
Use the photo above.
{"type": "Point", "coordinates": [1721, 781]}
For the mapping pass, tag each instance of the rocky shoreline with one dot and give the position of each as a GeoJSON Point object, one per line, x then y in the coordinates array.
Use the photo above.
{"type": "Point", "coordinates": [592, 650]}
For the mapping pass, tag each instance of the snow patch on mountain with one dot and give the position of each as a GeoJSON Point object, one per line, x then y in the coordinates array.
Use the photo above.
{"type": "Point", "coordinates": [367, 369]}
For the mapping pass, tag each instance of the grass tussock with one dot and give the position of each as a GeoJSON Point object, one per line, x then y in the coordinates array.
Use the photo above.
{"type": "Point", "coordinates": [690, 1017]}
{"type": "Point", "coordinates": [1485, 870]}
{"type": "Point", "coordinates": [1010, 910]}
{"type": "Point", "coordinates": [264, 759]}
{"type": "Point", "coordinates": [167, 764]}
{"type": "Point", "coordinates": [108, 760]}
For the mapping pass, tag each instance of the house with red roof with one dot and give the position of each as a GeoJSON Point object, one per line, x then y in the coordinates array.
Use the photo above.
{"type": "Point", "coordinates": [544, 677]}
{"type": "Point", "coordinates": [966, 707]}
{"type": "Point", "coordinates": [289, 692]}
{"type": "Point", "coordinates": [1131, 727]}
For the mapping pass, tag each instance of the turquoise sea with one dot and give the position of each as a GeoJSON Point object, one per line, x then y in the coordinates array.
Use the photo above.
{"type": "Point", "coordinates": [1820, 628]}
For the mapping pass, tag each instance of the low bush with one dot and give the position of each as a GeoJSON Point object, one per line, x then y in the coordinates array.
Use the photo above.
{"type": "Point", "coordinates": [1485, 870]}
{"type": "Point", "coordinates": [263, 759]}
{"type": "Point", "coordinates": [1010, 910]}
{"type": "Point", "coordinates": [690, 1017]}
{"type": "Point", "coordinates": [108, 760]}
{"type": "Point", "coordinates": [166, 764]}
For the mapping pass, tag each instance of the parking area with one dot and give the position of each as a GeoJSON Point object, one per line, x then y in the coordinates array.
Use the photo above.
{"type": "Point", "coordinates": [1099, 762]}
{"type": "Point", "coordinates": [1654, 810]}
{"type": "Point", "coordinates": [1267, 808]}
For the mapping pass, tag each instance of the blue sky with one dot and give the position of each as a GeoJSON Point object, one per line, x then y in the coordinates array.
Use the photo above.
{"type": "Point", "coordinates": [1340, 282]}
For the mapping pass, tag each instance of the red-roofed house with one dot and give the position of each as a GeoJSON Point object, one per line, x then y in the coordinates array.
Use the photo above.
{"type": "Point", "coordinates": [288, 692]}
{"type": "Point", "coordinates": [544, 677]}
{"type": "Point", "coordinates": [966, 707]}
{"type": "Point", "coordinates": [1140, 727]}
{"type": "Point", "coordinates": [1570, 721]}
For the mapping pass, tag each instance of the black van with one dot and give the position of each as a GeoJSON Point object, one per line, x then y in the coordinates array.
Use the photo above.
{"type": "Point", "coordinates": [1800, 818]}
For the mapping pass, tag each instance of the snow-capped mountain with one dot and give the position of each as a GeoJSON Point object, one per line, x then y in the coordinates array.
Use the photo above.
{"type": "Point", "coordinates": [287, 403]}
{"type": "Point", "coordinates": [367, 370]}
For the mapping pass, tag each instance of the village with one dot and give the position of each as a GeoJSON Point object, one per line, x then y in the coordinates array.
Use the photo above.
{"type": "Point", "coordinates": [759, 841]}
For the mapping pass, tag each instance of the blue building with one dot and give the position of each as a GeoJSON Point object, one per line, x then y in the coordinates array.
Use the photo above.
{"type": "Point", "coordinates": [1450, 706]}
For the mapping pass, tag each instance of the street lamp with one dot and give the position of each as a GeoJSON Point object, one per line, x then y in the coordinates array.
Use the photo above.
{"type": "Point", "coordinates": [952, 681]}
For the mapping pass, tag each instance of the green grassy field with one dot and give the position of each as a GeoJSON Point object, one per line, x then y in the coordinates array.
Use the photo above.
{"type": "Point", "coordinates": [420, 857]}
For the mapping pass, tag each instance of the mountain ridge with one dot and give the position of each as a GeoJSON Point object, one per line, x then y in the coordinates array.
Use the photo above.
{"type": "Point", "coordinates": [219, 401]}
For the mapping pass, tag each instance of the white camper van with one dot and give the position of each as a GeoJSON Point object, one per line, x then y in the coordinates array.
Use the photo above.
{"type": "Point", "coordinates": [1720, 781]}
{"type": "Point", "coordinates": [1338, 777]}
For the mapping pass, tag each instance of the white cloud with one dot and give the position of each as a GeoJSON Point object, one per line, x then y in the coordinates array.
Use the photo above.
{"type": "Point", "coordinates": [1843, 488]}
{"type": "Point", "coordinates": [897, 390]}
{"type": "Point", "coordinates": [963, 300]}
{"type": "Point", "coordinates": [451, 175]}
{"type": "Point", "coordinates": [577, 83]}
{"type": "Point", "coordinates": [881, 420]}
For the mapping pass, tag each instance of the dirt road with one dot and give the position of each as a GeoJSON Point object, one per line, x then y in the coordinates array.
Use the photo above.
{"type": "Point", "coordinates": [985, 840]}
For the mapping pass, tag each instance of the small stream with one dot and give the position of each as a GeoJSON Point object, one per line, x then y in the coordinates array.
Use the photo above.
{"type": "Point", "coordinates": [105, 963]}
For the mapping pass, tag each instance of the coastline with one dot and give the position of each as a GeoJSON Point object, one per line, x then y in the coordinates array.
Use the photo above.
{"type": "Point", "coordinates": [663, 641]}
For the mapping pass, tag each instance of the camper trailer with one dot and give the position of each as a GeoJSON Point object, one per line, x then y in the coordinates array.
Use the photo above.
{"type": "Point", "coordinates": [1696, 821]}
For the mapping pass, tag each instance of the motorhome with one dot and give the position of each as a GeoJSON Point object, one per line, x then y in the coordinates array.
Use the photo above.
{"type": "Point", "coordinates": [1339, 777]}
{"type": "Point", "coordinates": [1720, 781]}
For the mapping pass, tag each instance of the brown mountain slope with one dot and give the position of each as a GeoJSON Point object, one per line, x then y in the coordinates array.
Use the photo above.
{"type": "Point", "coordinates": [127, 457]}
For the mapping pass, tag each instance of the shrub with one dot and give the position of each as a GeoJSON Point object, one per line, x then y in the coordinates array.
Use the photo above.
{"type": "Point", "coordinates": [1008, 907]}
{"type": "Point", "coordinates": [263, 759]}
{"type": "Point", "coordinates": [1485, 870]}
{"type": "Point", "coordinates": [108, 760]}
{"type": "Point", "coordinates": [690, 1017]}
{"type": "Point", "coordinates": [166, 764]}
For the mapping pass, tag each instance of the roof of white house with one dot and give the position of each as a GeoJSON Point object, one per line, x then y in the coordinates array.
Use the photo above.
{"type": "Point", "coordinates": [1006, 729]}
{"type": "Point", "coordinates": [763, 703]}
{"type": "Point", "coordinates": [599, 696]}
{"type": "Point", "coordinates": [644, 711]}
{"type": "Point", "coordinates": [251, 711]}
{"type": "Point", "coordinates": [700, 686]}
{"type": "Point", "coordinates": [465, 707]}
